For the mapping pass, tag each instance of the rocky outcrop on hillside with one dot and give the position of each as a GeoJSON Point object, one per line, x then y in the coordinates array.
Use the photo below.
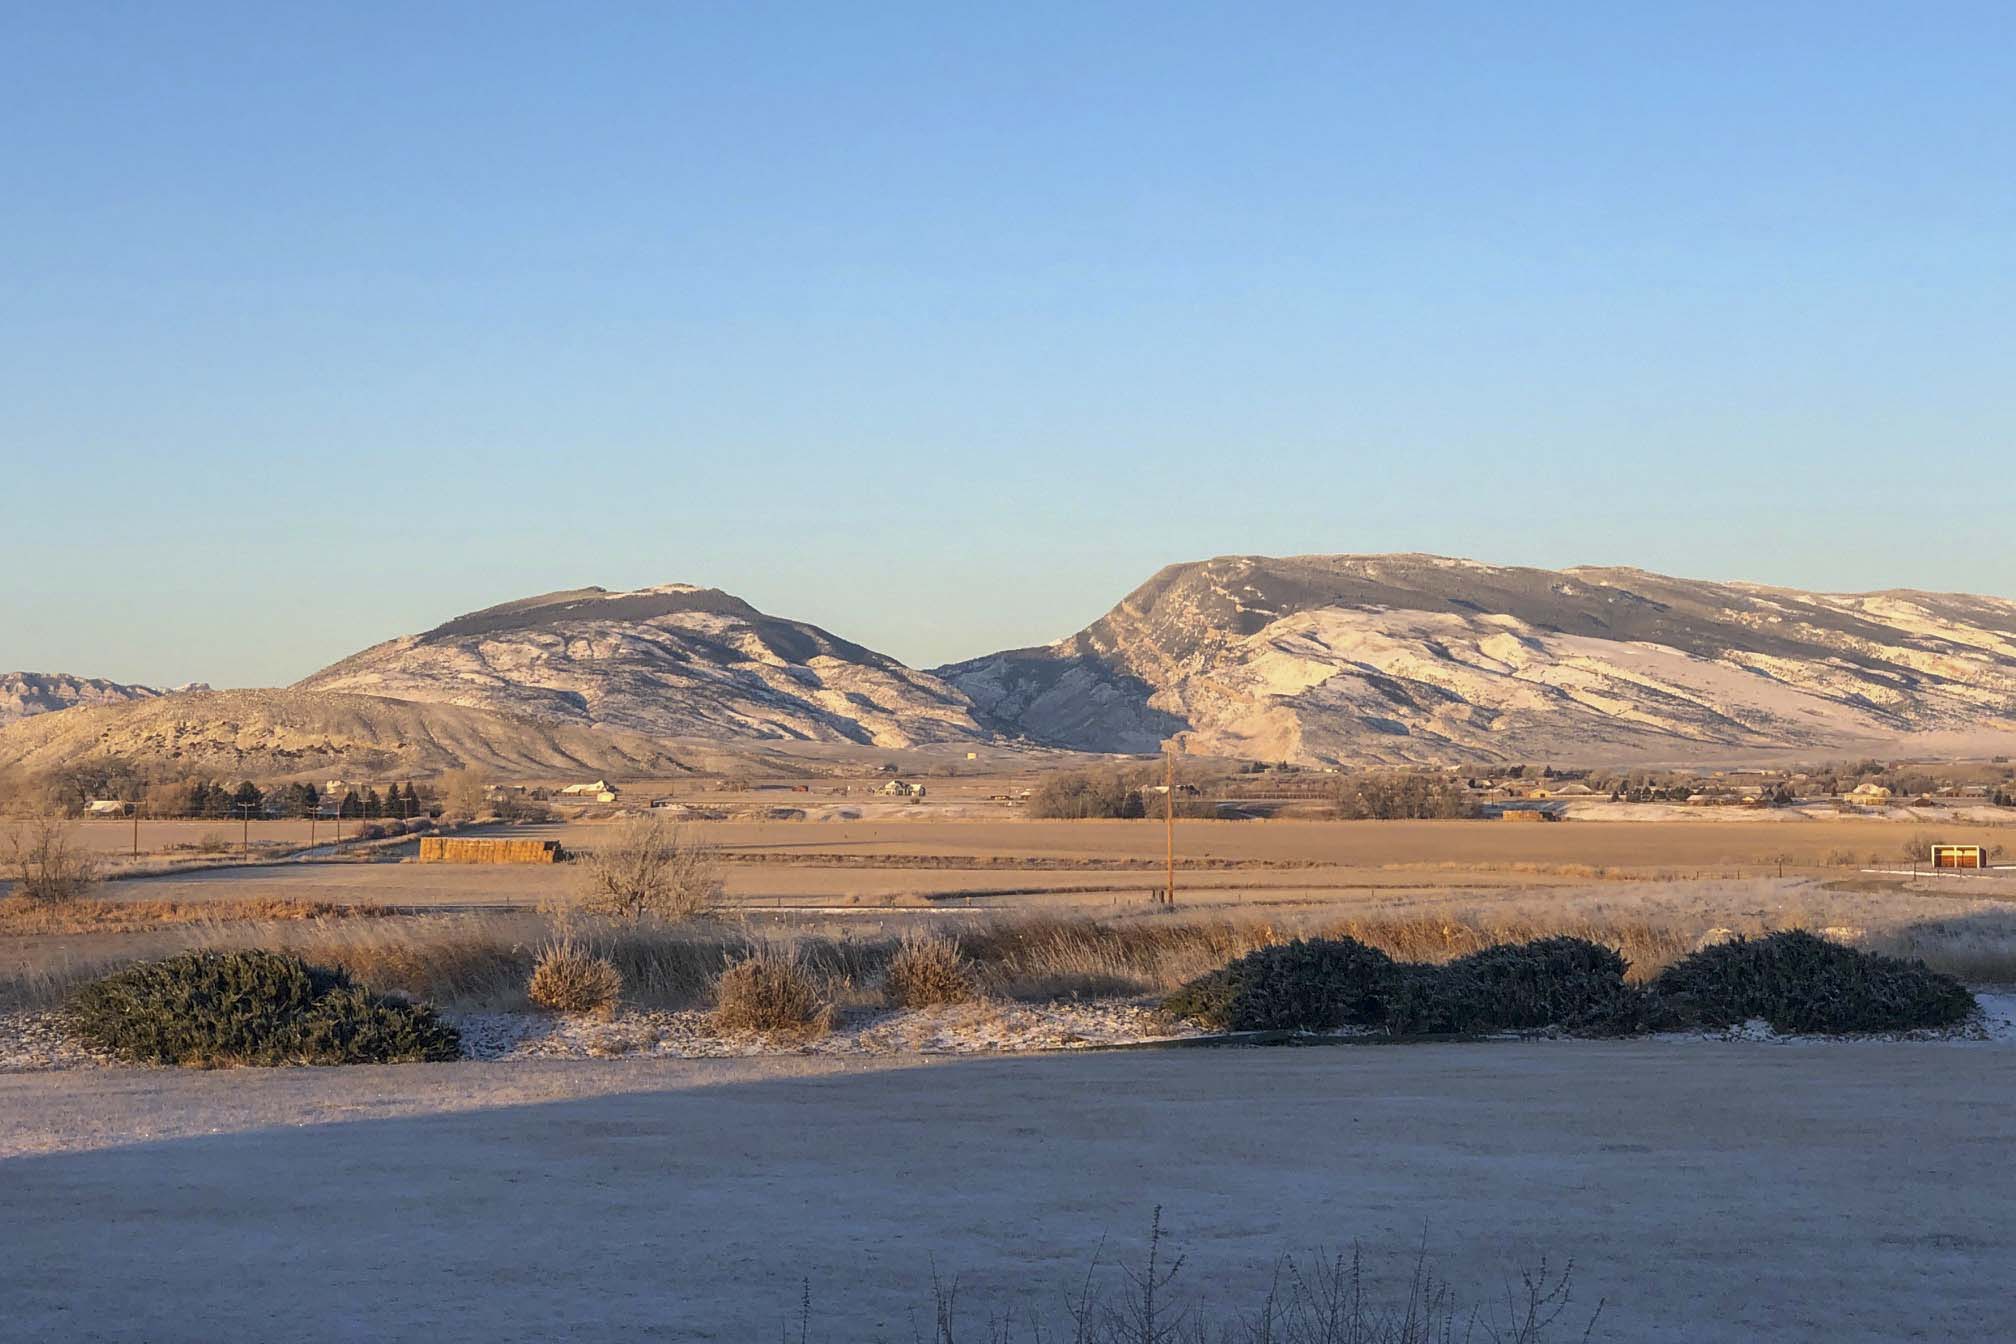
{"type": "Point", "coordinates": [24, 694]}
{"type": "Point", "coordinates": [1411, 658]}
{"type": "Point", "coordinates": [671, 661]}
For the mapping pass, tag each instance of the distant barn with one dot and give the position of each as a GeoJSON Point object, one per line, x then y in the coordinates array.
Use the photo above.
{"type": "Point", "coordinates": [454, 849]}
{"type": "Point", "coordinates": [1958, 856]}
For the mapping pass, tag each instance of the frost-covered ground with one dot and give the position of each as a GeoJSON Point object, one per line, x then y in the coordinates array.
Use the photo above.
{"type": "Point", "coordinates": [1802, 1196]}
{"type": "Point", "coordinates": [32, 1042]}
{"type": "Point", "coordinates": [962, 1029]}
{"type": "Point", "coordinates": [1995, 1024]}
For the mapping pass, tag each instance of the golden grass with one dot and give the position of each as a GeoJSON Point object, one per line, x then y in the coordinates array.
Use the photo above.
{"type": "Point", "coordinates": [20, 916]}
{"type": "Point", "coordinates": [484, 961]}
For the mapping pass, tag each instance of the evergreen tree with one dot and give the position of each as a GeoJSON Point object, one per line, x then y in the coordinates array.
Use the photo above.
{"type": "Point", "coordinates": [217, 803]}
{"type": "Point", "coordinates": [247, 800]}
{"type": "Point", "coordinates": [350, 807]}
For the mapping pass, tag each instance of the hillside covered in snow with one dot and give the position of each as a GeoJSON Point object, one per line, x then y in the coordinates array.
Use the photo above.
{"type": "Point", "coordinates": [1413, 658]}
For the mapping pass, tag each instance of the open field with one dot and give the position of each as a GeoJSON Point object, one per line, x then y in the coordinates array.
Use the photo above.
{"type": "Point", "coordinates": [1424, 889]}
{"type": "Point", "coordinates": [1690, 842]}
{"type": "Point", "coordinates": [1644, 846]}
{"type": "Point", "coordinates": [1706, 1193]}
{"type": "Point", "coordinates": [1017, 863]}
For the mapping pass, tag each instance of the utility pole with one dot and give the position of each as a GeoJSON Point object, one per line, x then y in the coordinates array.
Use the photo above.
{"type": "Point", "coordinates": [1169, 818]}
{"type": "Point", "coordinates": [245, 844]}
{"type": "Point", "coordinates": [136, 830]}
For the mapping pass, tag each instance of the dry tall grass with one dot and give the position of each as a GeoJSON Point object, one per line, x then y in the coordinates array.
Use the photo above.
{"type": "Point", "coordinates": [21, 916]}
{"type": "Point", "coordinates": [1314, 1299]}
{"type": "Point", "coordinates": [483, 962]}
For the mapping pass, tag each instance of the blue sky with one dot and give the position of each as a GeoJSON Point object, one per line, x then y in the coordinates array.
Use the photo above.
{"type": "Point", "coordinates": [943, 325]}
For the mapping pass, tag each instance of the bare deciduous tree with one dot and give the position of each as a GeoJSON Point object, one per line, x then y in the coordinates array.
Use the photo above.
{"type": "Point", "coordinates": [46, 863]}
{"type": "Point", "coordinates": [649, 867]}
{"type": "Point", "coordinates": [465, 793]}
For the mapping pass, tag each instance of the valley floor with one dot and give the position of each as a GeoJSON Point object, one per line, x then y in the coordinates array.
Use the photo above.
{"type": "Point", "coordinates": [1854, 1192]}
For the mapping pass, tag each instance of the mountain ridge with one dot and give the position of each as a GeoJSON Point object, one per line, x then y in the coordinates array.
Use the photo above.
{"type": "Point", "coordinates": [1340, 659]}
{"type": "Point", "coordinates": [675, 660]}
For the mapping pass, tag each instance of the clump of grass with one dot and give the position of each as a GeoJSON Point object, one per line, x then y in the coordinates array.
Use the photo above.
{"type": "Point", "coordinates": [211, 1009]}
{"type": "Point", "coordinates": [772, 990]}
{"type": "Point", "coordinates": [1135, 957]}
{"type": "Point", "coordinates": [570, 979]}
{"type": "Point", "coordinates": [927, 970]}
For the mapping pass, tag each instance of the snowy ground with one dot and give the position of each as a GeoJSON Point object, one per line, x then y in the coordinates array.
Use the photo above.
{"type": "Point", "coordinates": [33, 1042]}
{"type": "Point", "coordinates": [964, 1029]}
{"type": "Point", "coordinates": [1842, 1195]}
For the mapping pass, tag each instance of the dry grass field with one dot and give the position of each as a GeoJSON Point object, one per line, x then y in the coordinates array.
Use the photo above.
{"type": "Point", "coordinates": [1422, 890]}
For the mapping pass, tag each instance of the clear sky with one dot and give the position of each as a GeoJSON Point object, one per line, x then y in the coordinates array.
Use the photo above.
{"type": "Point", "coordinates": [943, 326]}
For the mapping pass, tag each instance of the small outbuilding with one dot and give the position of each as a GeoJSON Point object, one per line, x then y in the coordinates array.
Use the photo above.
{"type": "Point", "coordinates": [1959, 856]}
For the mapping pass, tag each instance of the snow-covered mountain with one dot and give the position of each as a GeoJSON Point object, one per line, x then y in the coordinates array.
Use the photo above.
{"type": "Point", "coordinates": [27, 693]}
{"type": "Point", "coordinates": [671, 661]}
{"type": "Point", "coordinates": [267, 734]}
{"type": "Point", "coordinates": [1400, 658]}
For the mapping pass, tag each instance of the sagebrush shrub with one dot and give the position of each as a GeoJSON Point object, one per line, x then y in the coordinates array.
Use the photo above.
{"type": "Point", "coordinates": [571, 979]}
{"type": "Point", "coordinates": [1800, 982]}
{"type": "Point", "coordinates": [771, 989]}
{"type": "Point", "coordinates": [927, 970]}
{"type": "Point", "coordinates": [1306, 985]}
{"type": "Point", "coordinates": [251, 1007]}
